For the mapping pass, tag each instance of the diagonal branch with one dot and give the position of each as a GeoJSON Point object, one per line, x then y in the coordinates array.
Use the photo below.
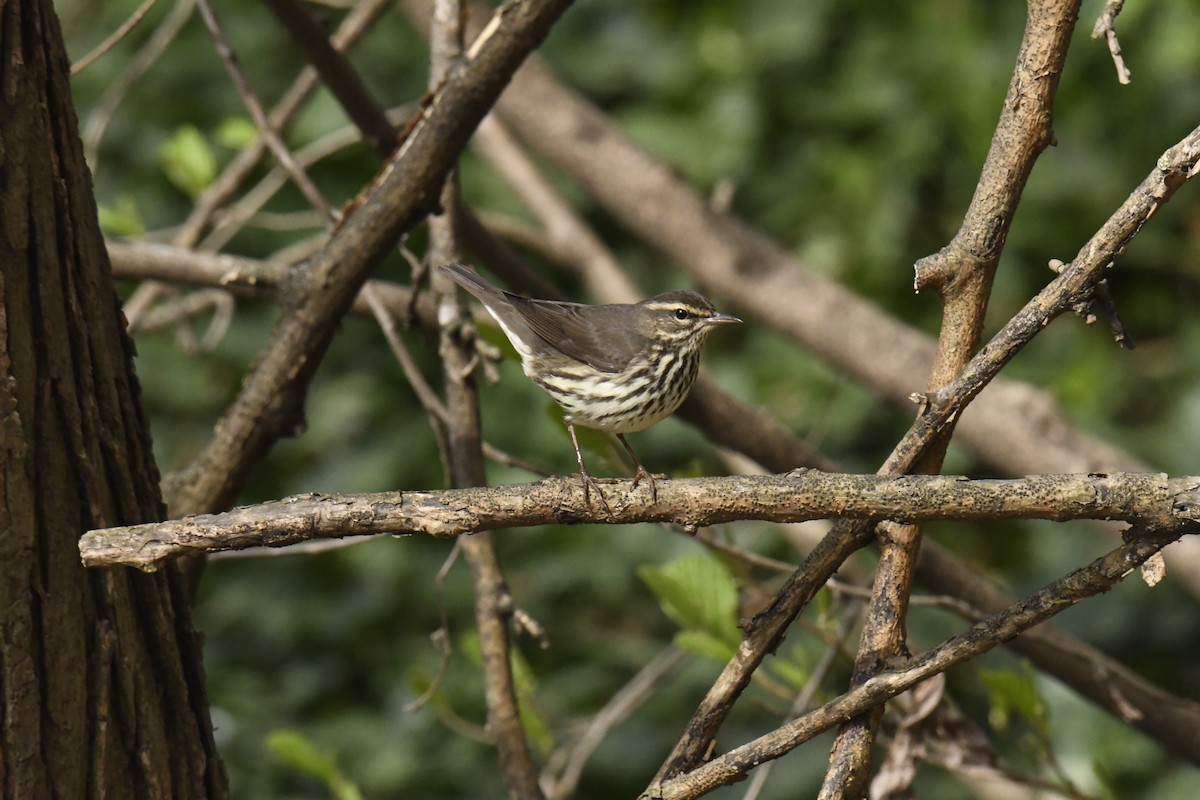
{"type": "Point", "coordinates": [1169, 719]}
{"type": "Point", "coordinates": [270, 403]}
{"type": "Point", "coordinates": [767, 630]}
{"type": "Point", "coordinates": [1075, 285]}
{"type": "Point", "coordinates": [1099, 576]}
{"type": "Point", "coordinates": [269, 135]}
{"type": "Point", "coordinates": [1106, 26]}
{"type": "Point", "coordinates": [336, 72]}
{"type": "Point", "coordinates": [962, 272]}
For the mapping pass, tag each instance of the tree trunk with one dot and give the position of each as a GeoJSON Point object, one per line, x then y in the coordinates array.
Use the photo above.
{"type": "Point", "coordinates": [101, 683]}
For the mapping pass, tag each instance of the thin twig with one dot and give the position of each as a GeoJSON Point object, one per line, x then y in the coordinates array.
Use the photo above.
{"type": "Point", "coordinates": [851, 613]}
{"type": "Point", "coordinates": [139, 65]}
{"type": "Point", "coordinates": [113, 38]}
{"type": "Point", "coordinates": [230, 220]}
{"type": "Point", "coordinates": [352, 28]}
{"type": "Point", "coordinates": [187, 307]}
{"type": "Point", "coordinates": [1106, 26]}
{"type": "Point", "coordinates": [564, 769]}
{"type": "Point", "coordinates": [441, 640]}
{"type": "Point", "coordinates": [944, 602]}
{"type": "Point", "coordinates": [440, 637]}
{"type": "Point", "coordinates": [250, 100]}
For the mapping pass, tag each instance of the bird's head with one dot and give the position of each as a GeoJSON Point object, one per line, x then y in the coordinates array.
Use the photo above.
{"type": "Point", "coordinates": [681, 316]}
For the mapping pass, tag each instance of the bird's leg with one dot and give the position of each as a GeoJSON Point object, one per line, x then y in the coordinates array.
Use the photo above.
{"type": "Point", "coordinates": [641, 471]}
{"type": "Point", "coordinates": [584, 475]}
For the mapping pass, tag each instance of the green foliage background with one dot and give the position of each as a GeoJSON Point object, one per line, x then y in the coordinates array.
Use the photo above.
{"type": "Point", "coordinates": [854, 133]}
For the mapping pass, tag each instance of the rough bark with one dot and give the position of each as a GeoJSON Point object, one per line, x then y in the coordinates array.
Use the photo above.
{"type": "Point", "coordinates": [101, 684]}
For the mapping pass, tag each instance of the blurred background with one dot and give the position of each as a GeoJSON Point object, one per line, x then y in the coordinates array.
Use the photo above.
{"type": "Point", "coordinates": [851, 133]}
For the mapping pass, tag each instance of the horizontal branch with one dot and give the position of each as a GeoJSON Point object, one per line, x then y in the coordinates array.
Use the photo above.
{"type": "Point", "coordinates": [1140, 498]}
{"type": "Point", "coordinates": [250, 277]}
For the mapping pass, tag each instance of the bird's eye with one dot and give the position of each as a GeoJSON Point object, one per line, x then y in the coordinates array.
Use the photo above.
{"type": "Point", "coordinates": [681, 314]}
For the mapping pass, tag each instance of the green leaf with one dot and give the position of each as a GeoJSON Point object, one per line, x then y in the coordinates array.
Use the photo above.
{"type": "Point", "coordinates": [123, 219]}
{"type": "Point", "coordinates": [1015, 693]}
{"type": "Point", "coordinates": [298, 752]}
{"type": "Point", "coordinates": [704, 644]}
{"type": "Point", "coordinates": [822, 605]}
{"type": "Point", "coordinates": [590, 440]}
{"type": "Point", "coordinates": [188, 161]}
{"type": "Point", "coordinates": [699, 595]}
{"type": "Point", "coordinates": [236, 133]}
{"type": "Point", "coordinates": [793, 668]}
{"type": "Point", "coordinates": [535, 724]}
{"type": "Point", "coordinates": [419, 681]}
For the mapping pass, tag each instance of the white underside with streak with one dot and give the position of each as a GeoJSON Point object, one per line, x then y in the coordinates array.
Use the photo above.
{"type": "Point", "coordinates": [615, 402]}
{"type": "Point", "coordinates": [611, 402]}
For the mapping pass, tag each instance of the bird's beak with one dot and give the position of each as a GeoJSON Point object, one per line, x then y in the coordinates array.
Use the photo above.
{"type": "Point", "coordinates": [722, 319]}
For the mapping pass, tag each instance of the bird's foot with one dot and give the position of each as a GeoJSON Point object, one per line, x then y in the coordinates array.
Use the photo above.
{"type": "Point", "coordinates": [590, 483]}
{"type": "Point", "coordinates": [642, 473]}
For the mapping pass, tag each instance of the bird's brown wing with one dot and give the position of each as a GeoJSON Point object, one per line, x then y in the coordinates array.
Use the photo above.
{"type": "Point", "coordinates": [599, 336]}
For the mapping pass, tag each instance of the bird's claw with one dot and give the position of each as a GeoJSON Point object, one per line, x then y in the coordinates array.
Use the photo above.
{"type": "Point", "coordinates": [590, 483]}
{"type": "Point", "coordinates": [642, 473]}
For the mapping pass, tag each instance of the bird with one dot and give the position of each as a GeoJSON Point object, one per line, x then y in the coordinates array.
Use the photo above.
{"type": "Point", "coordinates": [616, 368]}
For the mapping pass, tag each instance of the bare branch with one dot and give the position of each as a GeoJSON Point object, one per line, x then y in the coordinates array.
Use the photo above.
{"type": "Point", "coordinates": [1106, 27]}
{"type": "Point", "coordinates": [188, 306]}
{"type": "Point", "coordinates": [110, 41]}
{"type": "Point", "coordinates": [1077, 281]}
{"type": "Point", "coordinates": [336, 74]}
{"type": "Point", "coordinates": [804, 699]}
{"type": "Point", "coordinates": [561, 777]}
{"type": "Point", "coordinates": [494, 604]}
{"type": "Point", "coordinates": [1170, 719]}
{"type": "Point", "coordinates": [247, 277]}
{"type": "Point", "coordinates": [1142, 498]}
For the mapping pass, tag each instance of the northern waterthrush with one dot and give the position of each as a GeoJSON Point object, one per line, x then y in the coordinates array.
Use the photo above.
{"type": "Point", "coordinates": [616, 368]}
